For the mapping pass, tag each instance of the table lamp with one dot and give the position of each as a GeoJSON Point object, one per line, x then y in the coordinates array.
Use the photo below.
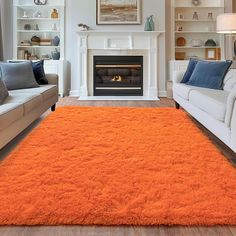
{"type": "Point", "coordinates": [226, 24]}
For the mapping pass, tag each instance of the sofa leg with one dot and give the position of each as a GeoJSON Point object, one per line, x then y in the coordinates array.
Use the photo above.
{"type": "Point", "coordinates": [53, 108]}
{"type": "Point", "coordinates": [177, 106]}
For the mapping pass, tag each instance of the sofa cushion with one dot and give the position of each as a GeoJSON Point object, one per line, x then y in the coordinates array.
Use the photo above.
{"type": "Point", "coordinates": [28, 100]}
{"type": "Point", "coordinates": [209, 74]}
{"type": "Point", "coordinates": [39, 73]}
{"type": "Point", "coordinates": [9, 113]}
{"type": "Point", "coordinates": [211, 101]}
{"type": "Point", "coordinates": [18, 75]}
{"type": "Point", "coordinates": [47, 91]}
{"type": "Point", "coordinates": [191, 66]}
{"type": "Point", "coordinates": [182, 90]}
{"type": "Point", "coordinates": [230, 80]}
{"type": "Point", "coordinates": [3, 91]}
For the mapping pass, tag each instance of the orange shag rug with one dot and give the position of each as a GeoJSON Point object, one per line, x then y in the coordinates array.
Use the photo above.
{"type": "Point", "coordinates": [117, 166]}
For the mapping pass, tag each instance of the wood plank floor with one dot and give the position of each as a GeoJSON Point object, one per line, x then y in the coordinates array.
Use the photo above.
{"type": "Point", "coordinates": [117, 231]}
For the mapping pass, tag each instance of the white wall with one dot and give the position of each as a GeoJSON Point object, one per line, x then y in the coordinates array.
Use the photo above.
{"type": "Point", "coordinates": [78, 11]}
{"type": "Point", "coordinates": [7, 28]}
{"type": "Point", "coordinates": [84, 11]}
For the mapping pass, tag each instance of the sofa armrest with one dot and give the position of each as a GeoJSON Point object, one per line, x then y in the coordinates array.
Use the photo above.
{"type": "Point", "coordinates": [230, 108]}
{"type": "Point", "coordinates": [52, 78]}
{"type": "Point", "coordinates": [178, 76]}
{"type": "Point", "coordinates": [233, 128]}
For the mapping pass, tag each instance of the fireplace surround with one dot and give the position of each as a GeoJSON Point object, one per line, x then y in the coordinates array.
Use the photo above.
{"type": "Point", "coordinates": [118, 75]}
{"type": "Point", "coordinates": [118, 43]}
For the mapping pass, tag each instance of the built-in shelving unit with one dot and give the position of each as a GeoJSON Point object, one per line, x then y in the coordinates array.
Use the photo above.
{"type": "Point", "coordinates": [27, 24]}
{"type": "Point", "coordinates": [185, 26]}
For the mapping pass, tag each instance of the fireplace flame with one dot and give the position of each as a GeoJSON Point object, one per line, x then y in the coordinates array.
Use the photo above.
{"type": "Point", "coordinates": [117, 78]}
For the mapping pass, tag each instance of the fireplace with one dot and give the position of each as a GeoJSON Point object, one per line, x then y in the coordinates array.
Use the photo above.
{"type": "Point", "coordinates": [118, 76]}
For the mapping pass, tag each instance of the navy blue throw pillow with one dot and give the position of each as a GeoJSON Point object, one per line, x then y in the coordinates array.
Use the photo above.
{"type": "Point", "coordinates": [191, 66]}
{"type": "Point", "coordinates": [39, 72]}
{"type": "Point", "coordinates": [209, 74]}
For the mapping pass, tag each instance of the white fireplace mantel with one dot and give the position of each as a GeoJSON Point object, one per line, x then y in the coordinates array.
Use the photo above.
{"type": "Point", "coordinates": [94, 42]}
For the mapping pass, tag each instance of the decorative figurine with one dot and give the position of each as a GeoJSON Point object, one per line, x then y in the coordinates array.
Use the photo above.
{"type": "Point", "coordinates": [195, 16]}
{"type": "Point", "coordinates": [83, 27]}
{"type": "Point", "coordinates": [54, 14]}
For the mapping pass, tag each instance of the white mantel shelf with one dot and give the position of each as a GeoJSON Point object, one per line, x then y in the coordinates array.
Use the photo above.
{"type": "Point", "coordinates": [117, 31]}
{"type": "Point", "coordinates": [116, 42]}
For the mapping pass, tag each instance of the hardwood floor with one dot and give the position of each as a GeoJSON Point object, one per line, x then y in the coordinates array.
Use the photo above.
{"type": "Point", "coordinates": [117, 231]}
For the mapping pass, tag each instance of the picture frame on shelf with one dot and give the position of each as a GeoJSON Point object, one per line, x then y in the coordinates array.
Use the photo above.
{"type": "Point", "coordinates": [180, 56]}
{"type": "Point", "coordinates": [118, 12]}
{"type": "Point", "coordinates": [212, 53]}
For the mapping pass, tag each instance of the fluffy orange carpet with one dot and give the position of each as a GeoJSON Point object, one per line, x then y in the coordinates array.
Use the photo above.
{"type": "Point", "coordinates": [113, 166]}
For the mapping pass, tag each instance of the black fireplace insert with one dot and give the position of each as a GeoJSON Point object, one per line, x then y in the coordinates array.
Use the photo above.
{"type": "Point", "coordinates": [118, 76]}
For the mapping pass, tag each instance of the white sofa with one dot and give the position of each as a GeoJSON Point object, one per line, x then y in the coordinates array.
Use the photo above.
{"type": "Point", "coordinates": [24, 106]}
{"type": "Point", "coordinates": [215, 109]}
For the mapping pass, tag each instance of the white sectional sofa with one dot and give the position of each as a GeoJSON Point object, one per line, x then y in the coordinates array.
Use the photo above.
{"type": "Point", "coordinates": [215, 109]}
{"type": "Point", "coordinates": [24, 106]}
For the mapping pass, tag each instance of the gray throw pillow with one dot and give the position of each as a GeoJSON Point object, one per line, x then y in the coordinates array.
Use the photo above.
{"type": "Point", "coordinates": [18, 75]}
{"type": "Point", "coordinates": [3, 91]}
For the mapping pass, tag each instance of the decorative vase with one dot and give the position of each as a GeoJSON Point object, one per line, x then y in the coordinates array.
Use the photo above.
{"type": "Point", "coordinates": [151, 22]}
{"type": "Point", "coordinates": [54, 13]}
{"type": "Point", "coordinates": [56, 41]}
{"type": "Point", "coordinates": [210, 43]}
{"type": "Point", "coordinates": [148, 26]}
{"type": "Point", "coordinates": [195, 16]}
{"type": "Point", "coordinates": [36, 27]}
{"type": "Point", "coordinates": [27, 27]}
{"type": "Point", "coordinates": [235, 47]}
{"type": "Point", "coordinates": [54, 27]}
{"type": "Point", "coordinates": [55, 55]}
{"type": "Point", "coordinates": [210, 16]}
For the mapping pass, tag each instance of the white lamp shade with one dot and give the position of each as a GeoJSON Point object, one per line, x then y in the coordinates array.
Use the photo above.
{"type": "Point", "coordinates": [226, 23]}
